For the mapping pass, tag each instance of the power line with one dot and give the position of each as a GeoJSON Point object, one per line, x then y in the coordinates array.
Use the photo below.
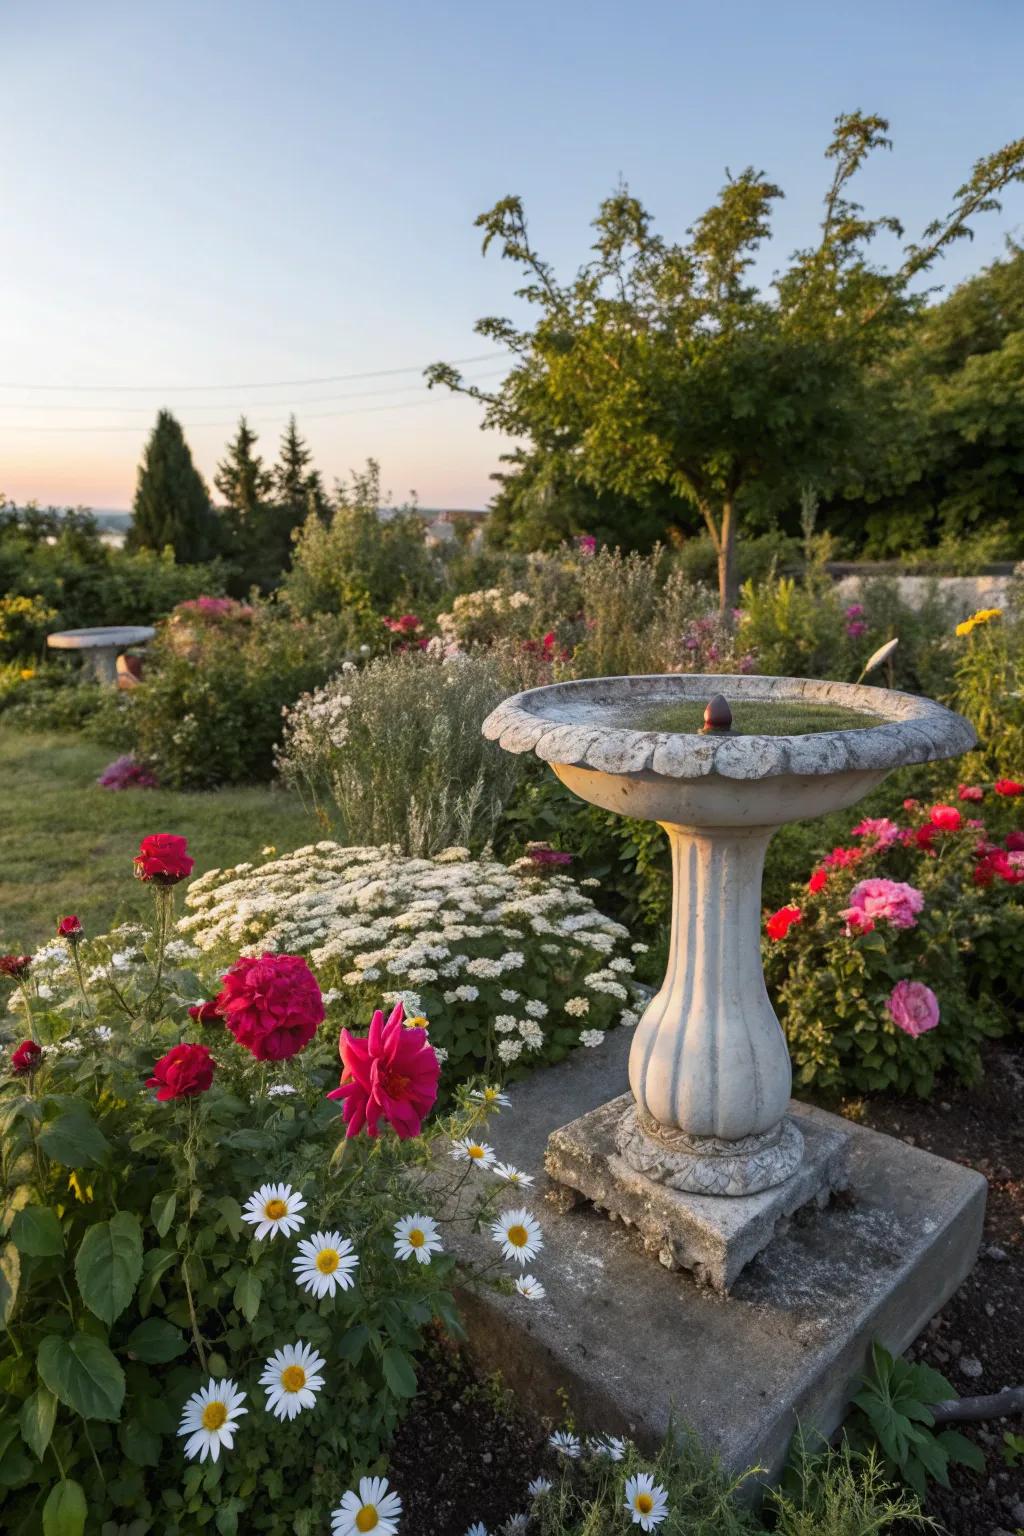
{"type": "Point", "coordinates": [266, 421]}
{"type": "Point", "coordinates": [223, 405]}
{"type": "Point", "coordinates": [336, 378]}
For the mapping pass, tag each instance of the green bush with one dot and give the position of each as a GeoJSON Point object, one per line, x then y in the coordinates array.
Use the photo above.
{"type": "Point", "coordinates": [129, 1278]}
{"type": "Point", "coordinates": [209, 711]}
{"type": "Point", "coordinates": [397, 750]}
{"type": "Point", "coordinates": [988, 683]}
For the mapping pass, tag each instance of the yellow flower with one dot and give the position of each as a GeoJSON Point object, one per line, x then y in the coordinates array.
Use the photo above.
{"type": "Point", "coordinates": [982, 616]}
{"type": "Point", "coordinates": [82, 1192]}
{"type": "Point", "coordinates": [26, 673]}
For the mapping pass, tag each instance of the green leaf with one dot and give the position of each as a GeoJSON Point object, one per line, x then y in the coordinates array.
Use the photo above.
{"type": "Point", "coordinates": [161, 1211]}
{"type": "Point", "coordinates": [37, 1418]}
{"type": "Point", "coordinates": [958, 1448]}
{"type": "Point", "coordinates": [83, 1374]}
{"type": "Point", "coordinates": [156, 1341]}
{"type": "Point", "coordinates": [352, 1343]}
{"type": "Point", "coordinates": [231, 1211]}
{"type": "Point", "coordinates": [248, 1292]}
{"type": "Point", "coordinates": [10, 1276]}
{"type": "Point", "coordinates": [399, 1372]}
{"type": "Point", "coordinates": [139, 1444]}
{"type": "Point", "coordinates": [109, 1264]}
{"type": "Point", "coordinates": [64, 1511]}
{"type": "Point", "coordinates": [156, 1262]}
{"type": "Point", "coordinates": [36, 1232]}
{"type": "Point", "coordinates": [75, 1140]}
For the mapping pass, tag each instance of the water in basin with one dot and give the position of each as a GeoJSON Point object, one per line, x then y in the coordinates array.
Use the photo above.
{"type": "Point", "coordinates": [750, 717]}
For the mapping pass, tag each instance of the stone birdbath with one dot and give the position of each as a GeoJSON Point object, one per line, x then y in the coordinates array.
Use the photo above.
{"type": "Point", "coordinates": [709, 1068]}
{"type": "Point", "coordinates": [100, 648]}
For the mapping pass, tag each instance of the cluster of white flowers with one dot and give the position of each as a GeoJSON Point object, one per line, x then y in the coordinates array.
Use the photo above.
{"type": "Point", "coordinates": [316, 719]}
{"type": "Point", "coordinates": [513, 949]}
{"type": "Point", "coordinates": [475, 611]}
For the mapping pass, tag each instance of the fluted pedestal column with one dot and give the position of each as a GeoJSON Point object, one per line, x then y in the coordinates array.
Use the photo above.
{"type": "Point", "coordinates": [709, 1067]}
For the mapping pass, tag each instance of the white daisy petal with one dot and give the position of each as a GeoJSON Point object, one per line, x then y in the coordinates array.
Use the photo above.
{"type": "Point", "coordinates": [417, 1237]}
{"type": "Point", "coordinates": [512, 1175]}
{"type": "Point", "coordinates": [565, 1443]}
{"type": "Point", "coordinates": [476, 1152]}
{"type": "Point", "coordinates": [646, 1501]}
{"type": "Point", "coordinates": [530, 1287]}
{"type": "Point", "coordinates": [292, 1378]}
{"type": "Point", "coordinates": [538, 1486]}
{"type": "Point", "coordinates": [355, 1514]}
{"type": "Point", "coordinates": [272, 1209]}
{"type": "Point", "coordinates": [491, 1097]}
{"type": "Point", "coordinates": [209, 1419]}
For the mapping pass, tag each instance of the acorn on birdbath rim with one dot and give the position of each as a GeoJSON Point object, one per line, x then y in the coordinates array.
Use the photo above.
{"type": "Point", "coordinates": [717, 716]}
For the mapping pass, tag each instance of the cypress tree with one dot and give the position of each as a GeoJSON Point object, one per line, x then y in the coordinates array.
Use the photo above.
{"type": "Point", "coordinates": [172, 504]}
{"type": "Point", "coordinates": [299, 489]}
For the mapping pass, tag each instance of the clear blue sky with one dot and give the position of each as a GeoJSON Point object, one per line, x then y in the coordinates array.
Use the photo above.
{"type": "Point", "coordinates": [203, 191]}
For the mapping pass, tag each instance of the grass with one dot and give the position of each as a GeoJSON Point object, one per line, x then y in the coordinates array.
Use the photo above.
{"type": "Point", "coordinates": [67, 845]}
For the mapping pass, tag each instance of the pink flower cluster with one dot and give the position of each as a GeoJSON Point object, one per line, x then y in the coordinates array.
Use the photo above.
{"type": "Point", "coordinates": [882, 901]}
{"type": "Point", "coordinates": [126, 773]}
{"type": "Point", "coordinates": [216, 608]}
{"type": "Point", "coordinates": [855, 625]}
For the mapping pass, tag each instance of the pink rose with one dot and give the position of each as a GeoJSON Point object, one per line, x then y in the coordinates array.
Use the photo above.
{"type": "Point", "coordinates": [913, 1007]}
{"type": "Point", "coordinates": [879, 829]}
{"type": "Point", "coordinates": [888, 901]}
{"type": "Point", "coordinates": [946, 817]}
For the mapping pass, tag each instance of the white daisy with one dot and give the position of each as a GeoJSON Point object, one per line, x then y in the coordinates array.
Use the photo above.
{"type": "Point", "coordinates": [477, 1152]}
{"type": "Point", "coordinates": [326, 1262]}
{"type": "Point", "coordinates": [416, 1237]}
{"type": "Point", "coordinates": [209, 1419]}
{"type": "Point", "coordinates": [373, 1508]}
{"type": "Point", "coordinates": [292, 1378]}
{"type": "Point", "coordinates": [565, 1443]}
{"type": "Point", "coordinates": [512, 1175]}
{"type": "Point", "coordinates": [491, 1097]}
{"type": "Point", "coordinates": [518, 1234]}
{"type": "Point", "coordinates": [477, 1529]}
{"type": "Point", "coordinates": [646, 1501]}
{"type": "Point", "coordinates": [539, 1486]}
{"type": "Point", "coordinates": [274, 1208]}
{"type": "Point", "coordinates": [515, 1525]}
{"type": "Point", "coordinates": [607, 1445]}
{"type": "Point", "coordinates": [531, 1288]}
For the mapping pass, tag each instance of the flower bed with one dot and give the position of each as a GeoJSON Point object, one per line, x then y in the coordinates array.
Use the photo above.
{"type": "Point", "coordinates": [512, 965]}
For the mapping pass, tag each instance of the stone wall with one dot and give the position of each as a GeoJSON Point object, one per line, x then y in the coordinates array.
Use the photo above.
{"type": "Point", "coordinates": [964, 594]}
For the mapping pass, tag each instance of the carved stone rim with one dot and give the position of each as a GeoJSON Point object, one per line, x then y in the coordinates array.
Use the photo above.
{"type": "Point", "coordinates": [710, 1165]}
{"type": "Point", "coordinates": [562, 723]}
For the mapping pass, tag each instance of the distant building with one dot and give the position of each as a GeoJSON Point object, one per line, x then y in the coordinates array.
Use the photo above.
{"type": "Point", "coordinates": [445, 527]}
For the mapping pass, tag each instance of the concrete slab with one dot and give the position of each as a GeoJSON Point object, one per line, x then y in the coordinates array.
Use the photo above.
{"type": "Point", "coordinates": [713, 1236]}
{"type": "Point", "coordinates": [632, 1343]}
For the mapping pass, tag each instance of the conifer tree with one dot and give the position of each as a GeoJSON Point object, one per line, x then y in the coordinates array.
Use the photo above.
{"type": "Point", "coordinates": [299, 488]}
{"type": "Point", "coordinates": [172, 504]}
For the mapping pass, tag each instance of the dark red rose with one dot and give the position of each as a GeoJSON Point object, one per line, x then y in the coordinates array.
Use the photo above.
{"type": "Point", "coordinates": [1008, 787]}
{"type": "Point", "coordinates": [164, 858]}
{"type": "Point", "coordinates": [1014, 842]}
{"type": "Point", "coordinates": [69, 928]}
{"type": "Point", "coordinates": [26, 1058]}
{"type": "Point", "coordinates": [185, 1071]}
{"type": "Point", "coordinates": [272, 1005]}
{"type": "Point", "coordinates": [206, 1013]}
{"type": "Point", "coordinates": [15, 966]}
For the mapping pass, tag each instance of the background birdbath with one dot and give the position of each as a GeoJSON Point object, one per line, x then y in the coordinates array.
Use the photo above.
{"type": "Point", "coordinates": [709, 1068]}
{"type": "Point", "coordinates": [99, 648]}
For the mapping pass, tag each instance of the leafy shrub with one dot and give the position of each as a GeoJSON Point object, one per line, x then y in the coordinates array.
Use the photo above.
{"type": "Point", "coordinates": [24, 622]}
{"type": "Point", "coordinates": [47, 698]}
{"type": "Point", "coordinates": [130, 1275]}
{"type": "Point", "coordinates": [988, 684]}
{"type": "Point", "coordinates": [510, 963]}
{"type": "Point", "coordinates": [360, 565]}
{"type": "Point", "coordinates": [210, 712]}
{"type": "Point", "coordinates": [398, 750]}
{"type": "Point", "coordinates": [895, 1401]}
{"type": "Point", "coordinates": [836, 976]}
{"type": "Point", "coordinates": [635, 608]}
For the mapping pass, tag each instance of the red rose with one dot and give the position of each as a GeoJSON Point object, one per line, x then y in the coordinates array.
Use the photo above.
{"type": "Point", "coordinates": [1014, 842]}
{"type": "Point", "coordinates": [970, 792]}
{"type": "Point", "coordinates": [817, 880]}
{"type": "Point", "coordinates": [164, 858]}
{"type": "Point", "coordinates": [924, 837]}
{"type": "Point", "coordinates": [840, 858]}
{"type": "Point", "coordinates": [272, 1005]}
{"type": "Point", "coordinates": [185, 1071]}
{"type": "Point", "coordinates": [69, 928]}
{"type": "Point", "coordinates": [206, 1013]}
{"type": "Point", "coordinates": [946, 817]}
{"type": "Point", "coordinates": [1008, 787]}
{"type": "Point", "coordinates": [14, 966]}
{"type": "Point", "coordinates": [911, 805]}
{"type": "Point", "coordinates": [26, 1058]}
{"type": "Point", "coordinates": [780, 922]}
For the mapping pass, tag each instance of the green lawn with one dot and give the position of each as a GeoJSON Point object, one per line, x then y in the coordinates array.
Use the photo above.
{"type": "Point", "coordinates": [67, 846]}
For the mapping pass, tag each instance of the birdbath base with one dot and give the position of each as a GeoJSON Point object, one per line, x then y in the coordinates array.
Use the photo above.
{"type": "Point", "coordinates": [709, 1165]}
{"type": "Point", "coordinates": [714, 1235]}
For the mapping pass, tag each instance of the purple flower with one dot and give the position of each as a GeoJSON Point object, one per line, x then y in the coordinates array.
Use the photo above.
{"type": "Point", "coordinates": [126, 773]}
{"type": "Point", "coordinates": [855, 611]}
{"type": "Point", "coordinates": [547, 856]}
{"type": "Point", "coordinates": [856, 628]}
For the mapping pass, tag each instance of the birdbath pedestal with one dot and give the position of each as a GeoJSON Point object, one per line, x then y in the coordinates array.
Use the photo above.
{"type": "Point", "coordinates": [703, 1153]}
{"type": "Point", "coordinates": [100, 648]}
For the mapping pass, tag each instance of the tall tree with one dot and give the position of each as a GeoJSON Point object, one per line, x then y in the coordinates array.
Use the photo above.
{"type": "Point", "coordinates": [247, 488]}
{"type": "Point", "coordinates": [172, 504]}
{"type": "Point", "coordinates": [662, 368]}
{"type": "Point", "coordinates": [298, 488]}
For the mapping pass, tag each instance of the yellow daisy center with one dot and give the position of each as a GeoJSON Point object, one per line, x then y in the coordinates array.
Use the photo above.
{"type": "Point", "coordinates": [214, 1415]}
{"type": "Point", "coordinates": [367, 1518]}
{"type": "Point", "coordinates": [293, 1378]}
{"type": "Point", "coordinates": [518, 1236]}
{"type": "Point", "coordinates": [275, 1209]}
{"type": "Point", "coordinates": [327, 1262]}
{"type": "Point", "coordinates": [475, 1151]}
{"type": "Point", "coordinates": [490, 1094]}
{"type": "Point", "coordinates": [416, 1022]}
{"type": "Point", "coordinates": [416, 1238]}
{"type": "Point", "coordinates": [643, 1503]}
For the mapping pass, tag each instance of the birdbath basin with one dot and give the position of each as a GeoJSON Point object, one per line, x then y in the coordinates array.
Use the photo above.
{"type": "Point", "coordinates": [709, 1067]}
{"type": "Point", "coordinates": [100, 648]}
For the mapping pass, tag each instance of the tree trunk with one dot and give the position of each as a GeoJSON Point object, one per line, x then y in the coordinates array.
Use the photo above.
{"type": "Point", "coordinates": [728, 577]}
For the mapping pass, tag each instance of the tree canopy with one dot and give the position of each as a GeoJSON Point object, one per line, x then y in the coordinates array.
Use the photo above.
{"type": "Point", "coordinates": [172, 505]}
{"type": "Point", "coordinates": [662, 373]}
